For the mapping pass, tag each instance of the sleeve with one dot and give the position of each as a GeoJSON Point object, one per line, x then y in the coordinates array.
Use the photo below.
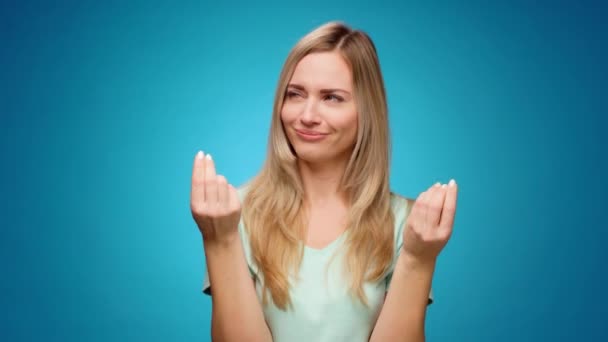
{"type": "Point", "coordinates": [246, 247]}
{"type": "Point", "coordinates": [401, 209]}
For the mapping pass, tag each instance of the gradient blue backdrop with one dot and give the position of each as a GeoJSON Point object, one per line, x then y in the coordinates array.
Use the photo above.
{"type": "Point", "coordinates": [103, 105]}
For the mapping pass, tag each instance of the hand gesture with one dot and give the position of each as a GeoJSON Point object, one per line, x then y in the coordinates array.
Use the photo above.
{"type": "Point", "coordinates": [429, 224]}
{"type": "Point", "coordinates": [214, 203]}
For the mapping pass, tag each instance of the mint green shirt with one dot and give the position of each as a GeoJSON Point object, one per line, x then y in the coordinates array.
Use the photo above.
{"type": "Point", "coordinates": [323, 310]}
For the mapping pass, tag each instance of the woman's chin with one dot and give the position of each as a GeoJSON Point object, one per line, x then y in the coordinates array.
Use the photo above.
{"type": "Point", "coordinates": [316, 157]}
{"type": "Point", "coordinates": [319, 153]}
{"type": "Point", "coordinates": [312, 157]}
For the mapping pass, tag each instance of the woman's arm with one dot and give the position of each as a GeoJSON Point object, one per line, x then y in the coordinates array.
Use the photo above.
{"type": "Point", "coordinates": [237, 314]}
{"type": "Point", "coordinates": [427, 230]}
{"type": "Point", "coordinates": [403, 313]}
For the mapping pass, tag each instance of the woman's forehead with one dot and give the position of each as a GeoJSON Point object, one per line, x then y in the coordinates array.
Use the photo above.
{"type": "Point", "coordinates": [322, 70]}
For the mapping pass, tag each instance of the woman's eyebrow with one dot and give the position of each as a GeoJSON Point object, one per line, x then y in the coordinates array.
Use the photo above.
{"type": "Point", "coordinates": [333, 90]}
{"type": "Point", "coordinates": [297, 86]}
{"type": "Point", "coordinates": [322, 91]}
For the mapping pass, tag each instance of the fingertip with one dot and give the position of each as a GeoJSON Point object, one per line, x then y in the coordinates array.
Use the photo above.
{"type": "Point", "coordinates": [209, 160]}
{"type": "Point", "coordinates": [453, 188]}
{"type": "Point", "coordinates": [198, 168]}
{"type": "Point", "coordinates": [209, 166]}
{"type": "Point", "coordinates": [421, 197]}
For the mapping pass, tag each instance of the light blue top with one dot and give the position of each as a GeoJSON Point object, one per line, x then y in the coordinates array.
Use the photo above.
{"type": "Point", "coordinates": [322, 309]}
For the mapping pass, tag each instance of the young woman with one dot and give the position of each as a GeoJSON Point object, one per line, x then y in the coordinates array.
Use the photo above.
{"type": "Point", "coordinates": [322, 250]}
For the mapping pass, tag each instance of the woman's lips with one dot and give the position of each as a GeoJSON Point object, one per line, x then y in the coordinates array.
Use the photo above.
{"type": "Point", "coordinates": [310, 135]}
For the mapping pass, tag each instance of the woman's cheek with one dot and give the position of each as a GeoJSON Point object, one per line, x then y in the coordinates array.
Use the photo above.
{"type": "Point", "coordinates": [288, 113]}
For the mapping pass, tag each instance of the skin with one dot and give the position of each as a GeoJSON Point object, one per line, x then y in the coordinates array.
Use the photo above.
{"type": "Point", "coordinates": [216, 210]}
{"type": "Point", "coordinates": [426, 232]}
{"type": "Point", "coordinates": [319, 99]}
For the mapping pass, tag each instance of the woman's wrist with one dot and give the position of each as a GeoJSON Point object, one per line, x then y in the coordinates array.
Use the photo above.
{"type": "Point", "coordinates": [415, 262]}
{"type": "Point", "coordinates": [227, 242]}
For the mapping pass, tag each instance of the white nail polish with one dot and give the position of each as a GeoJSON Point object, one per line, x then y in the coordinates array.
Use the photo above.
{"type": "Point", "coordinates": [199, 155]}
{"type": "Point", "coordinates": [443, 186]}
{"type": "Point", "coordinates": [208, 156]}
{"type": "Point", "coordinates": [452, 182]}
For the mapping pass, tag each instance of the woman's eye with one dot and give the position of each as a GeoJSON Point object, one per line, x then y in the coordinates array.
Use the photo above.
{"type": "Point", "coordinates": [333, 98]}
{"type": "Point", "coordinates": [292, 94]}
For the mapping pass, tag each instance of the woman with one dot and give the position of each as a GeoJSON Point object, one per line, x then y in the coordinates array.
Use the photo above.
{"type": "Point", "coordinates": [321, 236]}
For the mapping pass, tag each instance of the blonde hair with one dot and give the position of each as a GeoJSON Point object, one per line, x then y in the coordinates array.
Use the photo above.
{"type": "Point", "coordinates": [273, 210]}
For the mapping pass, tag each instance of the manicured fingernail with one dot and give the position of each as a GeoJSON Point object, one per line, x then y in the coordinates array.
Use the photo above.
{"type": "Point", "coordinates": [437, 184]}
{"type": "Point", "coordinates": [199, 155]}
{"type": "Point", "coordinates": [208, 156]}
{"type": "Point", "coordinates": [452, 182]}
{"type": "Point", "coordinates": [443, 185]}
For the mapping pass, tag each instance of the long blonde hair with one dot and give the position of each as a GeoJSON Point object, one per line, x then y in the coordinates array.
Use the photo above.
{"type": "Point", "coordinates": [273, 211]}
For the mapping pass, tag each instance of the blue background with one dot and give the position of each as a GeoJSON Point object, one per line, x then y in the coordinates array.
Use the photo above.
{"type": "Point", "coordinates": [104, 104]}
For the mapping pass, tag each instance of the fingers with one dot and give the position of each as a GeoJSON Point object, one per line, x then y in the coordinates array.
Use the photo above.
{"type": "Point", "coordinates": [449, 206]}
{"type": "Point", "coordinates": [197, 194]}
{"type": "Point", "coordinates": [208, 188]}
{"type": "Point", "coordinates": [418, 212]}
{"type": "Point", "coordinates": [233, 198]}
{"type": "Point", "coordinates": [222, 192]}
{"type": "Point", "coordinates": [197, 167]}
{"type": "Point", "coordinates": [211, 187]}
{"type": "Point", "coordinates": [435, 204]}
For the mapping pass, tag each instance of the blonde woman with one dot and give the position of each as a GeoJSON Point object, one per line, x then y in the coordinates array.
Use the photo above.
{"type": "Point", "coordinates": [316, 247]}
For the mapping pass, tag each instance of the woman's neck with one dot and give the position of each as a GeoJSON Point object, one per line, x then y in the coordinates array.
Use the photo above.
{"type": "Point", "coordinates": [321, 182]}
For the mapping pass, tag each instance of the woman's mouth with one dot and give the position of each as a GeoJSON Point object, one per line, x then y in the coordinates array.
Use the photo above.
{"type": "Point", "coordinates": [310, 135]}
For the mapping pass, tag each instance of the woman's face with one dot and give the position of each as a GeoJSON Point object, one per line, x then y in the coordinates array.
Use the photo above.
{"type": "Point", "coordinates": [319, 113]}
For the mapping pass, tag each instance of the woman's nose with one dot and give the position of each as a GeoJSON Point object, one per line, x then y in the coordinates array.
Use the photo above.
{"type": "Point", "coordinates": [310, 113]}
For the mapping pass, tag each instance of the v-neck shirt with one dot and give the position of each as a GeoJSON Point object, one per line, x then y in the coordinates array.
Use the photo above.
{"type": "Point", "coordinates": [322, 307]}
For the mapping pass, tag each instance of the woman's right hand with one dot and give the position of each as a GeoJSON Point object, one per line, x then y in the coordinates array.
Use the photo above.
{"type": "Point", "coordinates": [214, 202]}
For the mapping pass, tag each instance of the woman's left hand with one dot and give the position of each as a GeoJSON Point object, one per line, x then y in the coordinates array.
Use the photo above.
{"type": "Point", "coordinates": [430, 222]}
